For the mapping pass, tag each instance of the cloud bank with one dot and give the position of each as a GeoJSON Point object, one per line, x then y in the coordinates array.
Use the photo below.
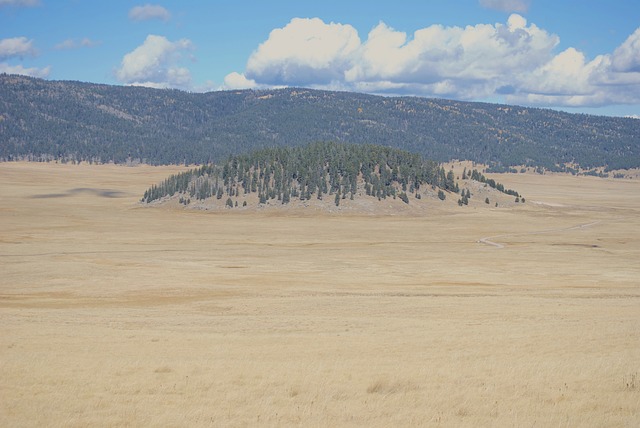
{"type": "Point", "coordinates": [156, 63]}
{"type": "Point", "coordinates": [515, 61]}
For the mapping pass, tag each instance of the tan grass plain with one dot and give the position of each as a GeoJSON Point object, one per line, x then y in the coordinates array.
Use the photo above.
{"type": "Point", "coordinates": [118, 315]}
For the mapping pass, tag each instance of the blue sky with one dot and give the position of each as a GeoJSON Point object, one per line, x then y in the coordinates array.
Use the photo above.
{"type": "Point", "coordinates": [575, 55]}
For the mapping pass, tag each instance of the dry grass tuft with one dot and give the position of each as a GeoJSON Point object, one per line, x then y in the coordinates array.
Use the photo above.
{"type": "Point", "coordinates": [631, 382]}
{"type": "Point", "coordinates": [386, 387]}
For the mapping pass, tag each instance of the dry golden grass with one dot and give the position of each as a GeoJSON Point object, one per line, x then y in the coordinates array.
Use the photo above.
{"type": "Point", "coordinates": [116, 314]}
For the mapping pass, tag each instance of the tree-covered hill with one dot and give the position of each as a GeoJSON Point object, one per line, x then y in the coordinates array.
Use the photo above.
{"type": "Point", "coordinates": [324, 170]}
{"type": "Point", "coordinates": [42, 119]}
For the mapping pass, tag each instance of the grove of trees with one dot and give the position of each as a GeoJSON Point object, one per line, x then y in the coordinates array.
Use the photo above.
{"type": "Point", "coordinates": [318, 170]}
{"type": "Point", "coordinates": [312, 171]}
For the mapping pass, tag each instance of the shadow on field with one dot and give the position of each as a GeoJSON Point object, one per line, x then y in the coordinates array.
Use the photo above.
{"type": "Point", "coordinates": [103, 193]}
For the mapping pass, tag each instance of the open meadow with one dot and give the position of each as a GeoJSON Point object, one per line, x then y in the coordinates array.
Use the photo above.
{"type": "Point", "coordinates": [115, 314]}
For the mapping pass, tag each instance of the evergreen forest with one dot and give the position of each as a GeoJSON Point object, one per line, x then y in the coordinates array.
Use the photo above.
{"type": "Point", "coordinates": [318, 170]}
{"type": "Point", "coordinates": [66, 121]}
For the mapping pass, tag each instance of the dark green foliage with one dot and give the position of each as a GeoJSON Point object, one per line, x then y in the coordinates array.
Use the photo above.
{"type": "Point", "coordinates": [283, 173]}
{"type": "Point", "coordinates": [403, 197]}
{"type": "Point", "coordinates": [465, 195]}
{"type": "Point", "coordinates": [486, 200]}
{"type": "Point", "coordinates": [477, 176]}
{"type": "Point", "coordinates": [441, 195]}
{"type": "Point", "coordinates": [73, 121]}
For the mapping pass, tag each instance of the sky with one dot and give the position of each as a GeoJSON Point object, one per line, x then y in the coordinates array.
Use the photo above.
{"type": "Point", "coordinates": [573, 55]}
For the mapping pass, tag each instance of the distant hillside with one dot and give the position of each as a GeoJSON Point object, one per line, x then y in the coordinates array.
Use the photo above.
{"type": "Point", "coordinates": [42, 119]}
{"type": "Point", "coordinates": [322, 171]}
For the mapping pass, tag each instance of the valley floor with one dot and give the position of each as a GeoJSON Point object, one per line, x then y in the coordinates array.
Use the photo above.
{"type": "Point", "coordinates": [117, 314]}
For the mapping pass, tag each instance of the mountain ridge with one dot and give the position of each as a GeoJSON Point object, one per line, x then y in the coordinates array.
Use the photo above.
{"type": "Point", "coordinates": [45, 120]}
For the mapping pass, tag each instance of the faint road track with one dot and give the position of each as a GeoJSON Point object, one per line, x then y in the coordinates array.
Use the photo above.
{"type": "Point", "coordinates": [489, 240]}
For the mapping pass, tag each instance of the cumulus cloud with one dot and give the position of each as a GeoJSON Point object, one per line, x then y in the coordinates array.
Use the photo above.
{"type": "Point", "coordinates": [516, 61]}
{"type": "Point", "coordinates": [20, 3]}
{"type": "Point", "coordinates": [507, 5]}
{"type": "Point", "coordinates": [149, 12]}
{"type": "Point", "coordinates": [448, 61]}
{"type": "Point", "coordinates": [19, 69]}
{"type": "Point", "coordinates": [16, 47]}
{"type": "Point", "coordinates": [76, 44]}
{"type": "Point", "coordinates": [568, 79]}
{"type": "Point", "coordinates": [156, 63]}
{"type": "Point", "coordinates": [451, 61]}
{"type": "Point", "coordinates": [305, 51]}
{"type": "Point", "coordinates": [238, 81]}
{"type": "Point", "coordinates": [626, 58]}
{"type": "Point", "coordinates": [564, 80]}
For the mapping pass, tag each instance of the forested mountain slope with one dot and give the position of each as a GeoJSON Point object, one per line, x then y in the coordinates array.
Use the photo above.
{"type": "Point", "coordinates": [42, 119]}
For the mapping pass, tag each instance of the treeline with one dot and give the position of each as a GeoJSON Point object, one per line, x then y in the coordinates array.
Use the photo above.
{"type": "Point", "coordinates": [318, 170]}
{"type": "Point", "coordinates": [478, 176]}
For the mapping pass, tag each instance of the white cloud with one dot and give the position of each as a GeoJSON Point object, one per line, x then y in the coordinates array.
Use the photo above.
{"type": "Point", "coordinates": [20, 3]}
{"type": "Point", "coordinates": [16, 47]}
{"type": "Point", "coordinates": [148, 12]}
{"type": "Point", "coordinates": [155, 63]}
{"type": "Point", "coordinates": [446, 61]}
{"type": "Point", "coordinates": [626, 58]}
{"type": "Point", "coordinates": [76, 44]}
{"type": "Point", "coordinates": [507, 5]}
{"type": "Point", "coordinates": [238, 81]}
{"type": "Point", "coordinates": [568, 79]}
{"type": "Point", "coordinates": [19, 69]}
{"type": "Point", "coordinates": [565, 74]}
{"type": "Point", "coordinates": [305, 51]}
{"type": "Point", "coordinates": [19, 47]}
{"type": "Point", "coordinates": [516, 61]}
{"type": "Point", "coordinates": [465, 62]}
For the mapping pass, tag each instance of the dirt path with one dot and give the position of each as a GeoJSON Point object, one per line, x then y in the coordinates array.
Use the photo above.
{"type": "Point", "coordinates": [488, 240]}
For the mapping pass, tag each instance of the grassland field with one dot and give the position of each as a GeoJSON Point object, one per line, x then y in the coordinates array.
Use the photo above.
{"type": "Point", "coordinates": [115, 314]}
